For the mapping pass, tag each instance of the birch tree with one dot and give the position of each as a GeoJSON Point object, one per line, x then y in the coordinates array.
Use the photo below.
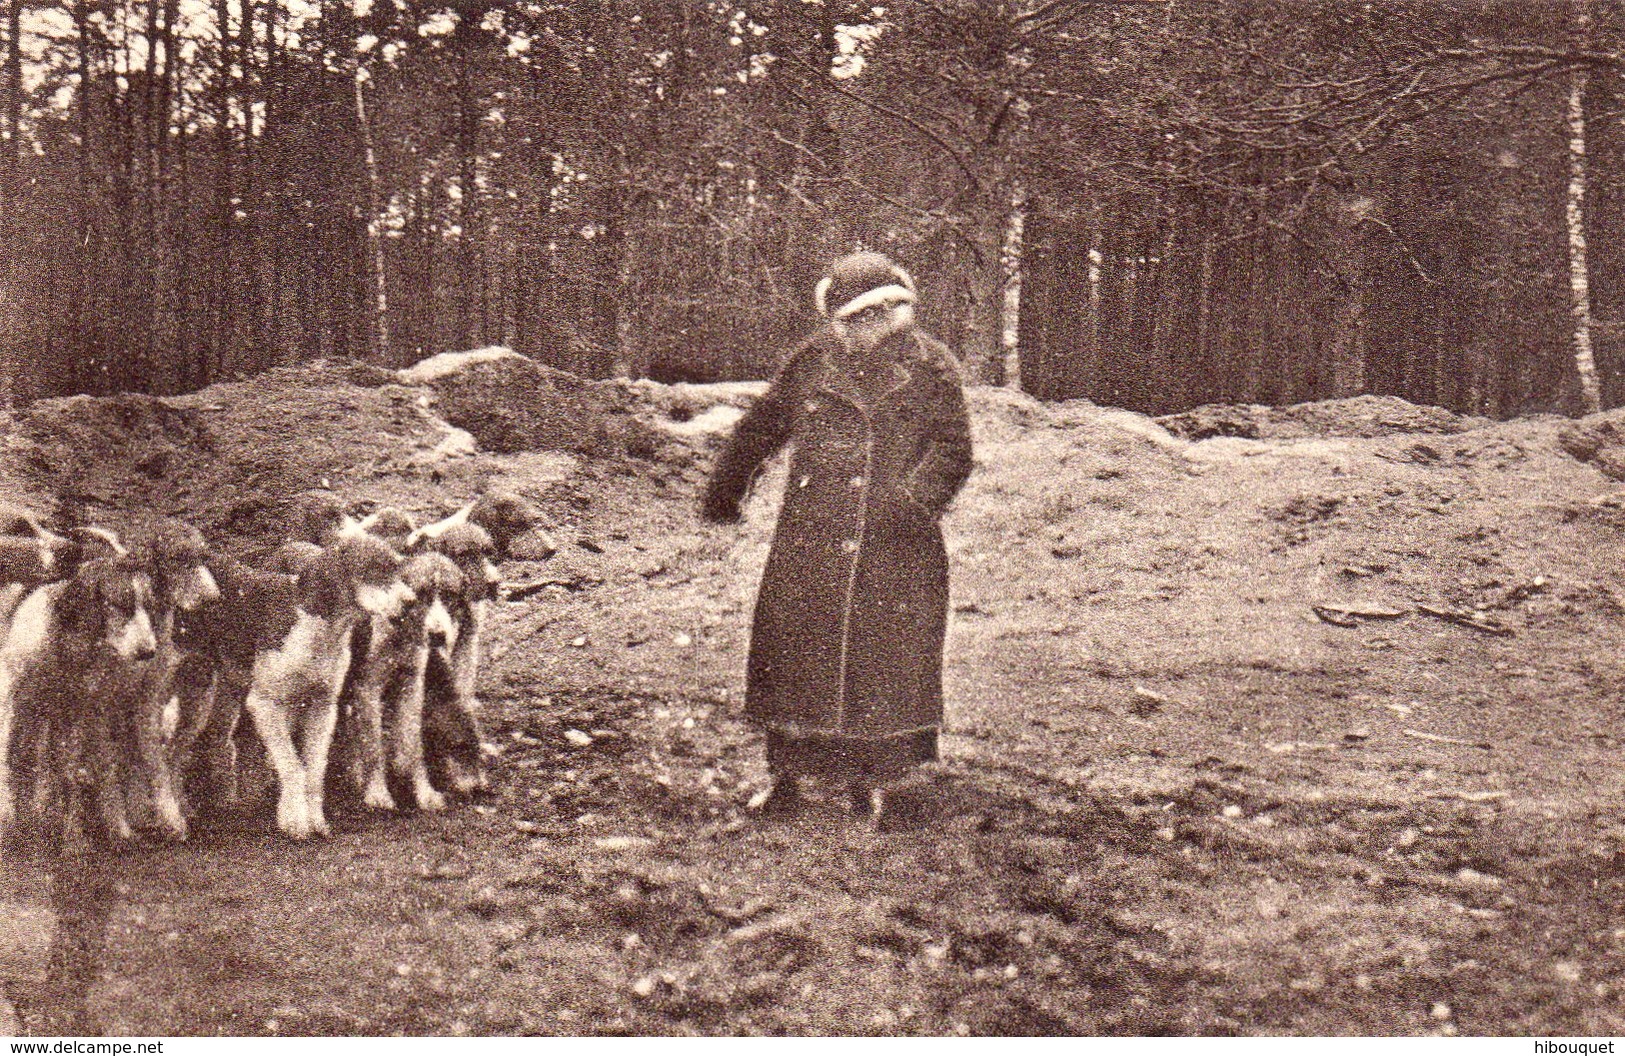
{"type": "Point", "coordinates": [1585, 363]}
{"type": "Point", "coordinates": [375, 235]}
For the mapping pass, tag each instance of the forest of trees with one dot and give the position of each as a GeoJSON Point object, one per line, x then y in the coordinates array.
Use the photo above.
{"type": "Point", "coordinates": [1149, 203]}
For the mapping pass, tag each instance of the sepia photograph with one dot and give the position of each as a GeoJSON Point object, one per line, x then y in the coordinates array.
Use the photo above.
{"type": "Point", "coordinates": [812, 518]}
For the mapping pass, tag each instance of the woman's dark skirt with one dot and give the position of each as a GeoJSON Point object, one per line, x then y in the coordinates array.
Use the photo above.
{"type": "Point", "coordinates": [834, 757]}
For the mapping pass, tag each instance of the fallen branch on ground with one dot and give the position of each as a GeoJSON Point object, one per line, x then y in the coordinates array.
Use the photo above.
{"type": "Point", "coordinates": [1441, 739]}
{"type": "Point", "coordinates": [1351, 615]}
{"type": "Point", "coordinates": [1473, 620]}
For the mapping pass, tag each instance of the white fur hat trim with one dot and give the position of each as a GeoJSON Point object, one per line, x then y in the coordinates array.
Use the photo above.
{"type": "Point", "coordinates": [878, 295]}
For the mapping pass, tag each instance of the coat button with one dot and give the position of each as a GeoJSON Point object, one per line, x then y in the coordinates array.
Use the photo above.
{"type": "Point", "coordinates": [857, 482]}
{"type": "Point", "coordinates": [849, 545]}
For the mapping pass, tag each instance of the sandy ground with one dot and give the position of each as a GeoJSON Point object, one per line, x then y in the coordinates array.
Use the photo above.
{"type": "Point", "coordinates": [1303, 721]}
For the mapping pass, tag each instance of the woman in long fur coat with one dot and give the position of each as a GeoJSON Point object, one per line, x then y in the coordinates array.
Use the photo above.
{"type": "Point", "coordinates": [845, 666]}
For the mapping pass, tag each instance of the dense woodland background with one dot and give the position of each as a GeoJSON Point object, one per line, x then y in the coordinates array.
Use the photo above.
{"type": "Point", "coordinates": [1151, 203]}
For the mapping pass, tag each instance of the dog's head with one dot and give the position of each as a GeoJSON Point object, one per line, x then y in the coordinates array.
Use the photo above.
{"type": "Point", "coordinates": [292, 557]}
{"type": "Point", "coordinates": [471, 548]}
{"type": "Point", "coordinates": [355, 573]}
{"type": "Point", "coordinates": [437, 606]}
{"type": "Point", "coordinates": [391, 525]}
{"type": "Point", "coordinates": [176, 556]}
{"type": "Point", "coordinates": [31, 553]}
{"type": "Point", "coordinates": [109, 602]}
{"type": "Point", "coordinates": [506, 517]}
{"type": "Point", "coordinates": [317, 518]}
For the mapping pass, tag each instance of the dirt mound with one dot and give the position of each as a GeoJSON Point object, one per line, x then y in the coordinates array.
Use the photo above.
{"type": "Point", "coordinates": [513, 404]}
{"type": "Point", "coordinates": [1598, 439]}
{"type": "Point", "coordinates": [101, 453]}
{"type": "Point", "coordinates": [231, 457]}
{"type": "Point", "coordinates": [1359, 416]}
{"type": "Point", "coordinates": [692, 410]}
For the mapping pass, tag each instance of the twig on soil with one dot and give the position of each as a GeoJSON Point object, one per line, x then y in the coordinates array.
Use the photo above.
{"type": "Point", "coordinates": [1147, 702]}
{"type": "Point", "coordinates": [1351, 615]}
{"type": "Point", "coordinates": [521, 591]}
{"type": "Point", "coordinates": [1334, 617]}
{"type": "Point", "coordinates": [1441, 739]}
{"type": "Point", "coordinates": [1468, 619]}
{"type": "Point", "coordinates": [1471, 797]}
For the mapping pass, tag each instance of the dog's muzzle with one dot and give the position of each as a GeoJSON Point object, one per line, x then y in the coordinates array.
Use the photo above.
{"type": "Point", "coordinates": [386, 602]}
{"type": "Point", "coordinates": [135, 641]}
{"type": "Point", "coordinates": [197, 587]}
{"type": "Point", "coordinates": [438, 625]}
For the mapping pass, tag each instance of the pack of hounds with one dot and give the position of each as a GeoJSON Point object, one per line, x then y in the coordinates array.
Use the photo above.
{"type": "Point", "coordinates": [128, 663]}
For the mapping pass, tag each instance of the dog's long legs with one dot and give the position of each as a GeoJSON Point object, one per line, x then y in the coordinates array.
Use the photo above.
{"type": "Point", "coordinates": [100, 709]}
{"type": "Point", "coordinates": [7, 810]}
{"type": "Point", "coordinates": [152, 749]}
{"type": "Point", "coordinates": [105, 743]}
{"type": "Point", "coordinates": [316, 723]}
{"type": "Point", "coordinates": [465, 669]}
{"type": "Point", "coordinates": [194, 689]}
{"type": "Point", "coordinates": [409, 760]}
{"type": "Point", "coordinates": [224, 696]}
{"type": "Point", "coordinates": [274, 721]}
{"type": "Point", "coordinates": [369, 718]}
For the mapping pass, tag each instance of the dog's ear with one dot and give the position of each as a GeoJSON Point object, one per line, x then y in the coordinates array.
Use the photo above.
{"type": "Point", "coordinates": [68, 556]}
{"type": "Point", "coordinates": [79, 607]}
{"type": "Point", "coordinates": [490, 582]}
{"type": "Point", "coordinates": [324, 589]}
{"type": "Point", "coordinates": [104, 540]}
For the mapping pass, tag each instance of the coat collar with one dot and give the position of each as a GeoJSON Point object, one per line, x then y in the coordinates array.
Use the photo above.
{"type": "Point", "coordinates": [839, 383]}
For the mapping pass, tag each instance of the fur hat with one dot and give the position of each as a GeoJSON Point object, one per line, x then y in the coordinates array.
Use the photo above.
{"type": "Point", "coordinates": [861, 280]}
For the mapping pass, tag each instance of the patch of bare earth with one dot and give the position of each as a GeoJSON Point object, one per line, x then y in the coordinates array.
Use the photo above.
{"type": "Point", "coordinates": [1307, 725]}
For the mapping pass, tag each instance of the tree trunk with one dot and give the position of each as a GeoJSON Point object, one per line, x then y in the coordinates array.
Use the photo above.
{"type": "Point", "coordinates": [1010, 301]}
{"type": "Point", "coordinates": [221, 281]}
{"type": "Point", "coordinates": [1035, 327]}
{"type": "Point", "coordinates": [1585, 363]}
{"type": "Point", "coordinates": [470, 285]}
{"type": "Point", "coordinates": [1348, 337]}
{"type": "Point", "coordinates": [13, 90]}
{"type": "Point", "coordinates": [11, 194]}
{"type": "Point", "coordinates": [85, 357]}
{"type": "Point", "coordinates": [981, 340]}
{"type": "Point", "coordinates": [1202, 387]}
{"type": "Point", "coordinates": [375, 234]}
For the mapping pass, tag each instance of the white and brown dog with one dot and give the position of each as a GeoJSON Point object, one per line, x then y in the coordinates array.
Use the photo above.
{"type": "Point", "coordinates": [451, 706]}
{"type": "Point", "coordinates": [176, 557]}
{"type": "Point", "coordinates": [288, 641]}
{"type": "Point", "coordinates": [31, 555]}
{"type": "Point", "coordinates": [386, 687]}
{"type": "Point", "coordinates": [67, 665]}
{"type": "Point", "coordinates": [505, 517]}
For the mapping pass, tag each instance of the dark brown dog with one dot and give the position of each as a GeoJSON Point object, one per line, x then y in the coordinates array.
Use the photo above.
{"type": "Point", "coordinates": [66, 670]}
{"type": "Point", "coordinates": [503, 515]}
{"type": "Point", "coordinates": [176, 557]}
